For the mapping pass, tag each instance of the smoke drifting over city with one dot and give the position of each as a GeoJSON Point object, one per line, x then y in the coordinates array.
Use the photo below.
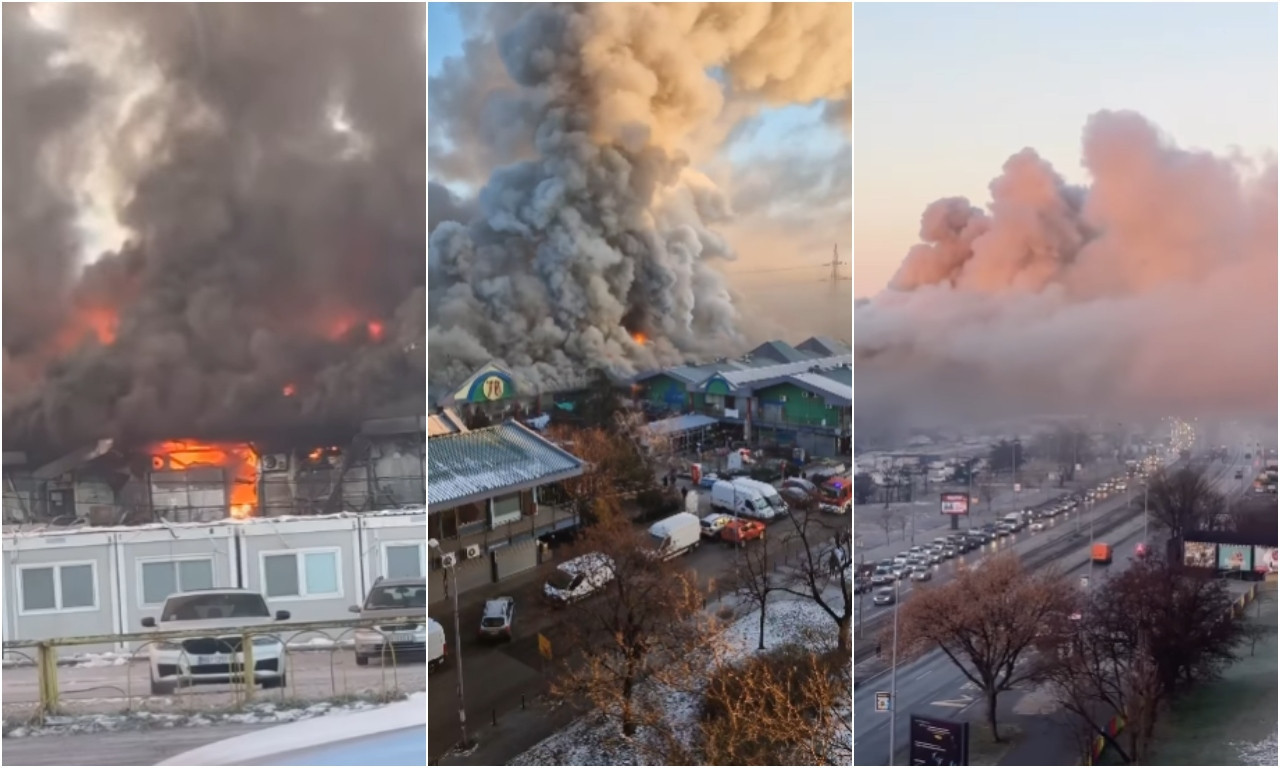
{"type": "Point", "coordinates": [595, 242]}
{"type": "Point", "coordinates": [265, 163]}
{"type": "Point", "coordinates": [1152, 291]}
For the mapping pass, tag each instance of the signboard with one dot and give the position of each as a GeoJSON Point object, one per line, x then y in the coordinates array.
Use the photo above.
{"type": "Point", "coordinates": [1017, 487]}
{"type": "Point", "coordinates": [1199, 554]}
{"type": "Point", "coordinates": [884, 702]}
{"type": "Point", "coordinates": [955, 503]}
{"type": "Point", "coordinates": [544, 646]}
{"type": "Point", "coordinates": [939, 742]}
{"type": "Point", "coordinates": [1235, 557]}
{"type": "Point", "coordinates": [493, 387]}
{"type": "Point", "coordinates": [1265, 559]}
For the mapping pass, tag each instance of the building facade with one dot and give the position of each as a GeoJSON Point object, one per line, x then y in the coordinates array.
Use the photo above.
{"type": "Point", "coordinates": [489, 501]}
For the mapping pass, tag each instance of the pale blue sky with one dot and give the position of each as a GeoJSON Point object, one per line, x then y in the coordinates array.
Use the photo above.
{"type": "Point", "coordinates": [944, 93]}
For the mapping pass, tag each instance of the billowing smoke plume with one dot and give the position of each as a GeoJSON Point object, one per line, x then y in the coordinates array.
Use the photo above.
{"type": "Point", "coordinates": [594, 245]}
{"type": "Point", "coordinates": [1152, 291]}
{"type": "Point", "coordinates": [266, 163]}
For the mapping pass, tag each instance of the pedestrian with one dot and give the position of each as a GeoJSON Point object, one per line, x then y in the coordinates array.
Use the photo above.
{"type": "Point", "coordinates": [666, 481]}
{"type": "Point", "coordinates": [684, 494]}
{"type": "Point", "coordinates": [877, 649]}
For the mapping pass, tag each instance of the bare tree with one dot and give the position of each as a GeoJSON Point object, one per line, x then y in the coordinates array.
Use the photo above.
{"type": "Point", "coordinates": [886, 519]}
{"type": "Point", "coordinates": [1136, 644]}
{"type": "Point", "coordinates": [785, 707]}
{"type": "Point", "coordinates": [823, 572]}
{"type": "Point", "coordinates": [756, 582]}
{"type": "Point", "coordinates": [615, 467]}
{"type": "Point", "coordinates": [987, 492]}
{"type": "Point", "coordinates": [1181, 502]}
{"type": "Point", "coordinates": [987, 620]}
{"type": "Point", "coordinates": [646, 619]}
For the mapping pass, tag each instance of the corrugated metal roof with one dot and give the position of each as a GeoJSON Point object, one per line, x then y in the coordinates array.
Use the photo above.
{"type": "Point", "coordinates": [488, 461]}
{"type": "Point", "coordinates": [824, 345]}
{"type": "Point", "coordinates": [739, 378]}
{"type": "Point", "coordinates": [677, 424]}
{"type": "Point", "coordinates": [447, 422]}
{"type": "Point", "coordinates": [779, 352]}
{"type": "Point", "coordinates": [825, 385]}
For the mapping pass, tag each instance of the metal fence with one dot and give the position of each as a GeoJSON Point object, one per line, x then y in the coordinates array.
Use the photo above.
{"type": "Point", "coordinates": [317, 659]}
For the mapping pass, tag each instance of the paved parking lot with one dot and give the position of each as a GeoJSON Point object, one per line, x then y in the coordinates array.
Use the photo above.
{"type": "Point", "coordinates": [312, 676]}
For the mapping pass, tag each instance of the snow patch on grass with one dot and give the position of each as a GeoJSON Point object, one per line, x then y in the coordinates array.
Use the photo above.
{"type": "Point", "coordinates": [597, 740]}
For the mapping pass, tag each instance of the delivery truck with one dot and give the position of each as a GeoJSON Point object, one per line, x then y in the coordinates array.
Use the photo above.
{"type": "Point", "coordinates": [1101, 554]}
{"type": "Point", "coordinates": [739, 501]}
{"type": "Point", "coordinates": [676, 535]}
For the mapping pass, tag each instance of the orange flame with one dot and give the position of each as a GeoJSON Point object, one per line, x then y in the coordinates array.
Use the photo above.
{"type": "Point", "coordinates": [639, 338]}
{"type": "Point", "coordinates": [238, 457]}
{"type": "Point", "coordinates": [102, 322]}
{"type": "Point", "coordinates": [289, 390]}
{"type": "Point", "coordinates": [375, 330]}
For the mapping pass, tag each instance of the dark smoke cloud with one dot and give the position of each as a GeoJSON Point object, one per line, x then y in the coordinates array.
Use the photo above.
{"type": "Point", "coordinates": [598, 226]}
{"type": "Point", "coordinates": [257, 231]}
{"type": "Point", "coordinates": [1152, 291]}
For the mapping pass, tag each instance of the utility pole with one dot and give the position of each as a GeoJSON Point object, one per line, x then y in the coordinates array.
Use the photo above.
{"type": "Point", "coordinates": [893, 674]}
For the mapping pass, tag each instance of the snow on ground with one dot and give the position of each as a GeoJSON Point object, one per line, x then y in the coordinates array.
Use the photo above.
{"type": "Point", "coordinates": [596, 740]}
{"type": "Point", "coordinates": [1262, 753]}
{"type": "Point", "coordinates": [258, 712]}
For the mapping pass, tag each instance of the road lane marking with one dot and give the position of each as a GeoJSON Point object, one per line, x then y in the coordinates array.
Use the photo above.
{"type": "Point", "coordinates": [959, 703]}
{"type": "Point", "coordinates": [922, 674]}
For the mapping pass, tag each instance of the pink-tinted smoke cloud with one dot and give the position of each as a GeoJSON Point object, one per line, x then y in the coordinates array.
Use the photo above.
{"type": "Point", "coordinates": [1152, 290]}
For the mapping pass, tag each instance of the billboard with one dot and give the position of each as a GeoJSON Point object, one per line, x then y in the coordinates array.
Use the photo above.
{"type": "Point", "coordinates": [1199, 554]}
{"type": "Point", "coordinates": [955, 503]}
{"type": "Point", "coordinates": [939, 742]}
{"type": "Point", "coordinates": [1265, 559]}
{"type": "Point", "coordinates": [1235, 557]}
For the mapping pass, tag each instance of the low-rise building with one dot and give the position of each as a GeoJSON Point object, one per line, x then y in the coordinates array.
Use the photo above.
{"type": "Point", "coordinates": [488, 503]}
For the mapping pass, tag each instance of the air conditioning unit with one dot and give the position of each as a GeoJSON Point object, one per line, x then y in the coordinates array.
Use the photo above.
{"type": "Point", "coordinates": [448, 560]}
{"type": "Point", "coordinates": [159, 463]}
{"type": "Point", "coordinates": [473, 551]}
{"type": "Point", "coordinates": [275, 462]}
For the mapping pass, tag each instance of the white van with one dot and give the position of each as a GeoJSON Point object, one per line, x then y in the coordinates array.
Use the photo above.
{"type": "Point", "coordinates": [575, 579]}
{"type": "Point", "coordinates": [675, 535]}
{"type": "Point", "coordinates": [437, 649]}
{"type": "Point", "coordinates": [769, 493]}
{"type": "Point", "coordinates": [738, 500]}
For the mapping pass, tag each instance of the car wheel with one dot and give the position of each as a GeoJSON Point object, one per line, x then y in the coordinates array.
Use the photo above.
{"type": "Point", "coordinates": [159, 688]}
{"type": "Point", "coordinates": [275, 682]}
{"type": "Point", "coordinates": [362, 660]}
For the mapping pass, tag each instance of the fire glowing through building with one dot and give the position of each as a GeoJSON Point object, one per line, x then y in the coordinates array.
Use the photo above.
{"type": "Point", "coordinates": [238, 459]}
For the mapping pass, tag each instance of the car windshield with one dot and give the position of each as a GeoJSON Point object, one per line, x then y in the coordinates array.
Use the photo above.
{"type": "Point", "coordinates": [830, 493]}
{"type": "Point", "coordinates": [215, 605]}
{"type": "Point", "coordinates": [492, 621]}
{"type": "Point", "coordinates": [560, 579]}
{"type": "Point", "coordinates": [397, 596]}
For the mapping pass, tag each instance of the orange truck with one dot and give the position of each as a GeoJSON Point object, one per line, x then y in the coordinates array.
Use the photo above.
{"type": "Point", "coordinates": [1102, 553]}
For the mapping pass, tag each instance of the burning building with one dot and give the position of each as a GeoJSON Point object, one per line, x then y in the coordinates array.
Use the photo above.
{"type": "Point", "coordinates": [262, 167]}
{"type": "Point", "coordinates": [380, 466]}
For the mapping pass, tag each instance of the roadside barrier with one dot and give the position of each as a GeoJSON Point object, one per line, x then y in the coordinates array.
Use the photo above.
{"type": "Point", "coordinates": [296, 638]}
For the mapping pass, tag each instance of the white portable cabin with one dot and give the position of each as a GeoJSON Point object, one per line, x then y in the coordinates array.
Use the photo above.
{"type": "Point", "coordinates": [60, 584]}
{"type": "Point", "coordinates": [103, 581]}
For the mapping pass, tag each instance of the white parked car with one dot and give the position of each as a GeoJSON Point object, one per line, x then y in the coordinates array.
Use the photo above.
{"type": "Point", "coordinates": [216, 658]}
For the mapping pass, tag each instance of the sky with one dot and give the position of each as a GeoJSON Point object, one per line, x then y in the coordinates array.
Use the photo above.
{"type": "Point", "coordinates": [776, 271]}
{"type": "Point", "coordinates": [945, 93]}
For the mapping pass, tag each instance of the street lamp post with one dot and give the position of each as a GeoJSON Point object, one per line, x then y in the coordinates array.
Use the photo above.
{"type": "Point", "coordinates": [457, 646]}
{"type": "Point", "coordinates": [893, 673]}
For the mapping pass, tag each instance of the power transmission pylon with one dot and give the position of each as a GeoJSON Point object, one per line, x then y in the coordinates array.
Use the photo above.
{"type": "Point", "coordinates": [835, 278]}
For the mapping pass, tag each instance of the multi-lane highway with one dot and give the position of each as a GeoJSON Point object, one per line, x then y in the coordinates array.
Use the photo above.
{"type": "Point", "coordinates": [932, 686]}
